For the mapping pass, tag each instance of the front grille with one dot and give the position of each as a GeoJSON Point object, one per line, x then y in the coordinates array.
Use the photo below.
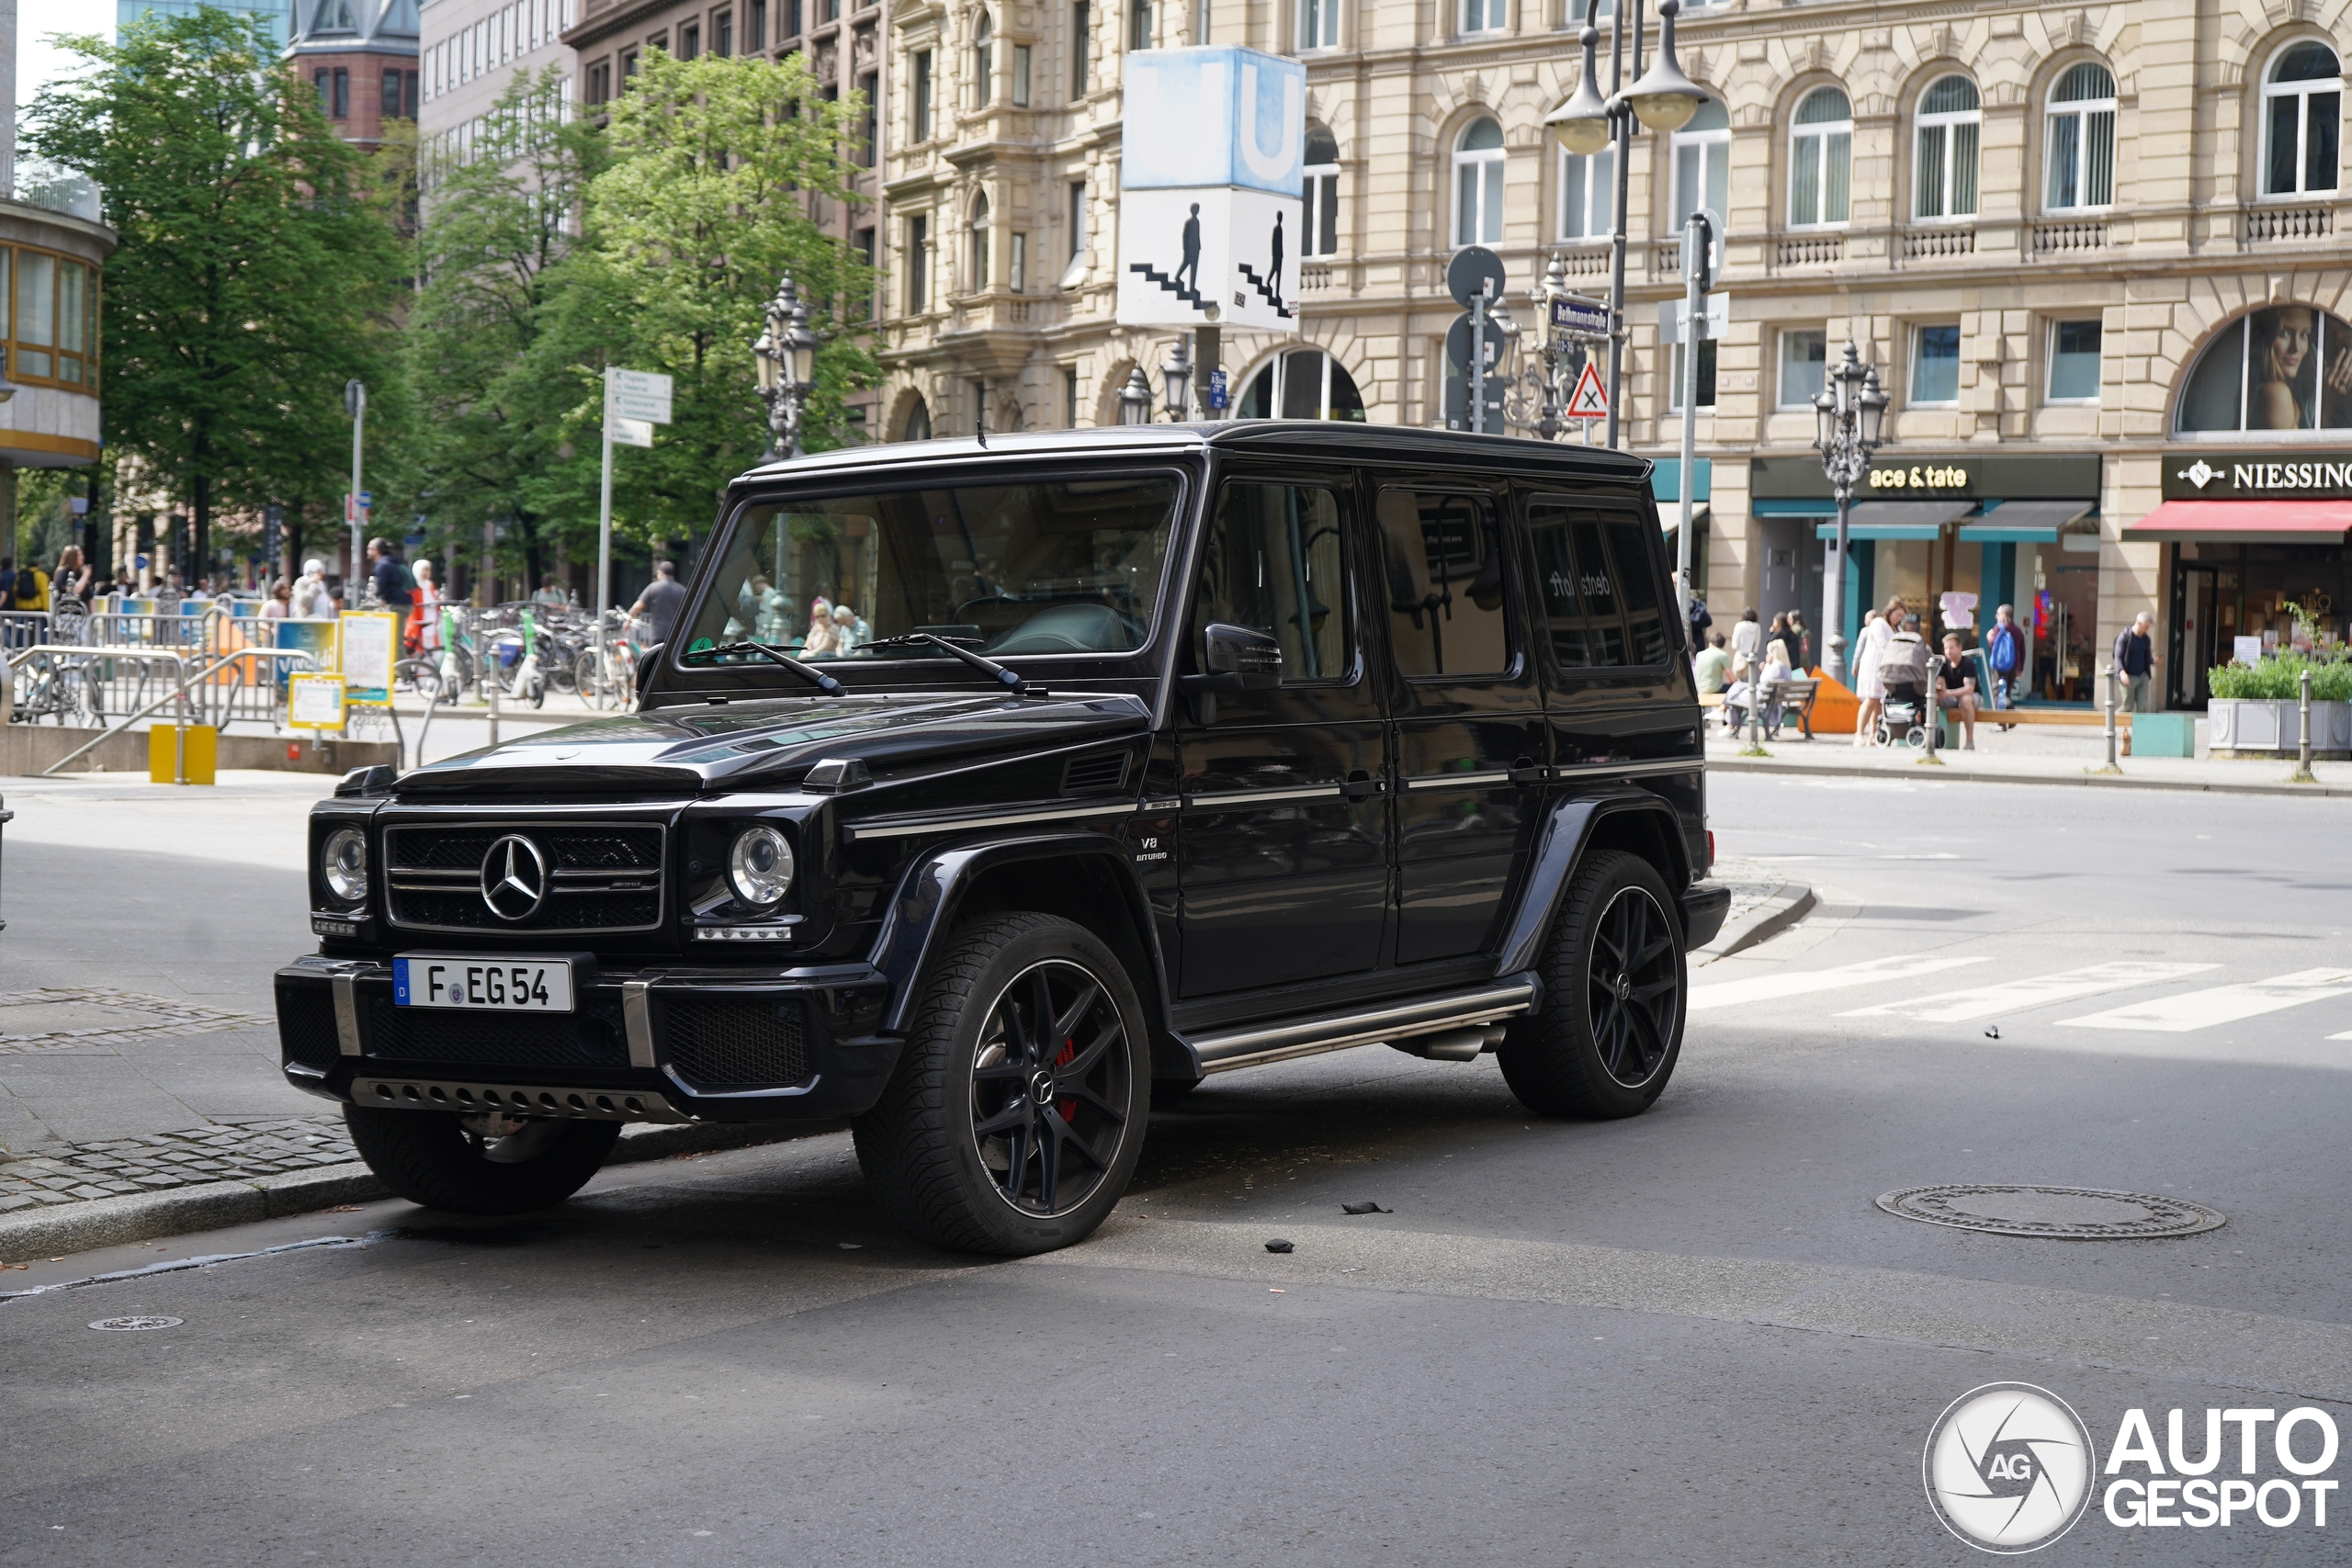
{"type": "Point", "coordinates": [736, 1041]}
{"type": "Point", "coordinates": [590, 1038]}
{"type": "Point", "coordinates": [602, 876]}
{"type": "Point", "coordinates": [306, 1029]}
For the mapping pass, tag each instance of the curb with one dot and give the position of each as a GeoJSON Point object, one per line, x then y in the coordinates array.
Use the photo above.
{"type": "Point", "coordinates": [2096, 780]}
{"type": "Point", "coordinates": [1775, 915]}
{"type": "Point", "coordinates": [214, 1206]}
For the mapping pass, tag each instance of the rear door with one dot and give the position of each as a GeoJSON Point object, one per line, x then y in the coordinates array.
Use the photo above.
{"type": "Point", "coordinates": [1469, 718]}
{"type": "Point", "coordinates": [1284, 822]}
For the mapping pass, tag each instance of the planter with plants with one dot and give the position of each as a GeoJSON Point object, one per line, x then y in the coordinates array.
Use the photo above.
{"type": "Point", "coordinates": [2256, 710]}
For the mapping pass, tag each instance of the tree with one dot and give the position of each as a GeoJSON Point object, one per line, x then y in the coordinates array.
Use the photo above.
{"type": "Point", "coordinates": [702, 206]}
{"type": "Point", "coordinates": [490, 419]}
{"type": "Point", "coordinates": [258, 263]}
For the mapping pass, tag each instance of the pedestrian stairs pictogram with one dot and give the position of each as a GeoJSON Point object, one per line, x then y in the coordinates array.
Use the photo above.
{"type": "Point", "coordinates": [1190, 296]}
{"type": "Point", "coordinates": [1263, 292]}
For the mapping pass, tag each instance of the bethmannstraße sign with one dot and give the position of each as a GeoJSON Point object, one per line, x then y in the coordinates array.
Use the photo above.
{"type": "Point", "coordinates": [2259, 476]}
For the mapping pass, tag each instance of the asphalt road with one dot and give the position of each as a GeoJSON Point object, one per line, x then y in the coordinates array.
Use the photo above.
{"type": "Point", "coordinates": [1686, 1338]}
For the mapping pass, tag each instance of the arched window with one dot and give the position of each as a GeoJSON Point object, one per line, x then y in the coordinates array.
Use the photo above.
{"type": "Point", "coordinates": [2080, 146]}
{"type": "Point", "coordinates": [2280, 367]}
{"type": "Point", "coordinates": [1821, 160]}
{"type": "Point", "coordinates": [917, 423]}
{"type": "Point", "coordinates": [983, 62]}
{"type": "Point", "coordinates": [1304, 383]}
{"type": "Point", "coordinates": [2302, 115]}
{"type": "Point", "coordinates": [1944, 170]}
{"type": "Point", "coordinates": [1702, 164]}
{"type": "Point", "coordinates": [1321, 194]}
{"type": "Point", "coordinates": [978, 270]}
{"type": "Point", "coordinates": [1478, 184]}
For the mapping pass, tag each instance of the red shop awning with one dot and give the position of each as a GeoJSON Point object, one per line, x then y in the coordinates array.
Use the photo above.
{"type": "Point", "coordinates": [2246, 522]}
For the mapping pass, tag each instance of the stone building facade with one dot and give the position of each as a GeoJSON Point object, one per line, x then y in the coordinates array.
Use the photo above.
{"type": "Point", "coordinates": [2093, 250]}
{"type": "Point", "coordinates": [361, 55]}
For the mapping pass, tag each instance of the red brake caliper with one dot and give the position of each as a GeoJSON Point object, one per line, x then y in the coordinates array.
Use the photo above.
{"type": "Point", "coordinates": [1068, 1108]}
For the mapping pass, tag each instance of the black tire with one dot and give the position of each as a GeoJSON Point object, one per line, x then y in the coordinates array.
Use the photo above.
{"type": "Point", "coordinates": [1070, 1119]}
{"type": "Point", "coordinates": [428, 1157]}
{"type": "Point", "coordinates": [1604, 1040]}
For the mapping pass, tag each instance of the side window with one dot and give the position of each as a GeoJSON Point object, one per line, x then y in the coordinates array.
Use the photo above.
{"type": "Point", "coordinates": [1274, 563]}
{"type": "Point", "coordinates": [1601, 608]}
{"type": "Point", "coordinates": [1444, 562]}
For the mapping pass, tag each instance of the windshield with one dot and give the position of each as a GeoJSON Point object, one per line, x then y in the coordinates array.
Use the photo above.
{"type": "Point", "coordinates": [1056, 566]}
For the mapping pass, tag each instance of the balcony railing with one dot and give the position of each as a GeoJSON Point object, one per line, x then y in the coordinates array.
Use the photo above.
{"type": "Point", "coordinates": [1811, 250]}
{"type": "Point", "coordinates": [1921, 243]}
{"type": "Point", "coordinates": [2269, 225]}
{"type": "Point", "coordinates": [1314, 277]}
{"type": "Point", "coordinates": [2061, 239]}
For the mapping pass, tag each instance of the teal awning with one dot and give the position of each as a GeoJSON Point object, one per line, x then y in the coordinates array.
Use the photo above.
{"type": "Point", "coordinates": [1666, 479]}
{"type": "Point", "coordinates": [2025, 521]}
{"type": "Point", "coordinates": [1898, 519]}
{"type": "Point", "coordinates": [1807, 507]}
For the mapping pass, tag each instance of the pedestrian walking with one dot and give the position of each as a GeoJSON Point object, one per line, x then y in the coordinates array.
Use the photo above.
{"type": "Point", "coordinates": [1870, 673]}
{"type": "Point", "coordinates": [1956, 690]}
{"type": "Point", "coordinates": [394, 585]}
{"type": "Point", "coordinates": [309, 593]}
{"type": "Point", "coordinates": [1800, 641]}
{"type": "Point", "coordinates": [2004, 656]}
{"type": "Point", "coordinates": [659, 605]}
{"type": "Point", "coordinates": [72, 580]}
{"type": "Point", "coordinates": [1701, 621]}
{"type": "Point", "coordinates": [280, 603]}
{"type": "Point", "coordinates": [2136, 660]}
{"type": "Point", "coordinates": [424, 617]}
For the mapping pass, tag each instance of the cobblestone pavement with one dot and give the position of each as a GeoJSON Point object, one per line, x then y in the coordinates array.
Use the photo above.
{"type": "Point", "coordinates": [66, 1018]}
{"type": "Point", "coordinates": [1752, 885]}
{"type": "Point", "coordinates": [158, 1160]}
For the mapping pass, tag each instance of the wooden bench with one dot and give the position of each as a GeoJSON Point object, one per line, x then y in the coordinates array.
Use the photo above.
{"type": "Point", "coordinates": [1796, 696]}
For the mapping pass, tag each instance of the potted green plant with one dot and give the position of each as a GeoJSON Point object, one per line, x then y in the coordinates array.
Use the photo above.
{"type": "Point", "coordinates": [2256, 710]}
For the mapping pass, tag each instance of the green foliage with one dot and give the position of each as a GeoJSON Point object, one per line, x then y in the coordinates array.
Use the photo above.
{"type": "Point", "coordinates": [257, 263]}
{"type": "Point", "coordinates": [2279, 678]}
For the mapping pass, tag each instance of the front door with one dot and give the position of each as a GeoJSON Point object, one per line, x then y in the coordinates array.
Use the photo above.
{"type": "Point", "coordinates": [1470, 741]}
{"type": "Point", "coordinates": [1284, 821]}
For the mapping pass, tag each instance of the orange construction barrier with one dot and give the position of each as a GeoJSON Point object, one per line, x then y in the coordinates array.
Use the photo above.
{"type": "Point", "coordinates": [1836, 708]}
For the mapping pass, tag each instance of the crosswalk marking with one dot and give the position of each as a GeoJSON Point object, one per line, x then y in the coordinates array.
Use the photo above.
{"type": "Point", "coordinates": [1770, 988]}
{"type": "Point", "coordinates": [2220, 1004]}
{"type": "Point", "coordinates": [2011, 997]}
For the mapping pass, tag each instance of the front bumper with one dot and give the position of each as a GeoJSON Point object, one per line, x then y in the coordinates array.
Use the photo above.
{"type": "Point", "coordinates": [659, 1044]}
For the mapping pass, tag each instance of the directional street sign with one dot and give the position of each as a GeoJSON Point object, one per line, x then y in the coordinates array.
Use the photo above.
{"type": "Point", "coordinates": [631, 431]}
{"type": "Point", "coordinates": [1590, 400]}
{"type": "Point", "coordinates": [637, 394]}
{"type": "Point", "coordinates": [1580, 318]}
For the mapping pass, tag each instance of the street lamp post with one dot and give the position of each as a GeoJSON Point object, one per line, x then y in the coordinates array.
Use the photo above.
{"type": "Point", "coordinates": [785, 359]}
{"type": "Point", "coordinates": [1176, 375]}
{"type": "Point", "coordinates": [1848, 415]}
{"type": "Point", "coordinates": [355, 402]}
{"type": "Point", "coordinates": [1662, 99]}
{"type": "Point", "coordinates": [1135, 399]}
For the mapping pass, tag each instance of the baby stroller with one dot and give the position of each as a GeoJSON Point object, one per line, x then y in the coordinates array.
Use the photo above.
{"type": "Point", "coordinates": [1903, 715]}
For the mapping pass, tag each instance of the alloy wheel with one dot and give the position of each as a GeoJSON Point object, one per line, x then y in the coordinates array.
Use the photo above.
{"type": "Point", "coordinates": [1633, 986]}
{"type": "Point", "coordinates": [1049, 1088]}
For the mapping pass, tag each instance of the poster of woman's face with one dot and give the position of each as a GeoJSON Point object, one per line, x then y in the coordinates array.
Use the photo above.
{"type": "Point", "coordinates": [2280, 367]}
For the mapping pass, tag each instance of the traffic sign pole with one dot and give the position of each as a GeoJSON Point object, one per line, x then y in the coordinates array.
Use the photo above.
{"type": "Point", "coordinates": [1695, 240]}
{"type": "Point", "coordinates": [604, 534]}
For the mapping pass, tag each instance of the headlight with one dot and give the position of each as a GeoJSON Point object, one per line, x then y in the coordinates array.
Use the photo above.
{"type": "Point", "coordinates": [759, 868]}
{"type": "Point", "coordinates": [342, 861]}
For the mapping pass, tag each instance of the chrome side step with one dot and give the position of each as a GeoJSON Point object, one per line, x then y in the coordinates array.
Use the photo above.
{"type": "Point", "coordinates": [1259, 1044]}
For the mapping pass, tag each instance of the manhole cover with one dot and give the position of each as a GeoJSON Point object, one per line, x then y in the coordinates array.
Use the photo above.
{"type": "Point", "coordinates": [2072, 1214]}
{"type": "Point", "coordinates": [132, 1324]}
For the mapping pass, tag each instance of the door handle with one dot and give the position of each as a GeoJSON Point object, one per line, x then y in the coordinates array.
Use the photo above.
{"type": "Point", "coordinates": [1362, 785]}
{"type": "Point", "coordinates": [1523, 771]}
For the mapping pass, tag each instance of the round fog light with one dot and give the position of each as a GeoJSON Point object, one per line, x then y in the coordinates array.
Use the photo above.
{"type": "Point", "coordinates": [760, 867]}
{"type": "Point", "coordinates": [342, 860]}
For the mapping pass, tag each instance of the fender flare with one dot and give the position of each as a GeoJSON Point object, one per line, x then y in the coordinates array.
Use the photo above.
{"type": "Point", "coordinates": [924, 909]}
{"type": "Point", "coordinates": [1559, 850]}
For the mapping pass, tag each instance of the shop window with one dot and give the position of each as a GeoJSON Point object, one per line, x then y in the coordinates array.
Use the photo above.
{"type": "Point", "coordinates": [2073, 362]}
{"type": "Point", "coordinates": [1706, 376]}
{"type": "Point", "coordinates": [1322, 205]}
{"type": "Point", "coordinates": [1821, 158]}
{"type": "Point", "coordinates": [1304, 383]}
{"type": "Point", "coordinates": [2302, 115]}
{"type": "Point", "coordinates": [2281, 367]}
{"type": "Point", "coordinates": [1944, 169]}
{"type": "Point", "coordinates": [1702, 164]}
{"type": "Point", "coordinates": [2079, 145]}
{"type": "Point", "coordinates": [1478, 184]}
{"type": "Point", "coordinates": [1804, 359]}
{"type": "Point", "coordinates": [1935, 365]}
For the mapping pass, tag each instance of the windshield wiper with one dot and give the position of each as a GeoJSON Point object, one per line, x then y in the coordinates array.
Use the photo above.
{"type": "Point", "coordinates": [989, 667]}
{"type": "Point", "coordinates": [807, 672]}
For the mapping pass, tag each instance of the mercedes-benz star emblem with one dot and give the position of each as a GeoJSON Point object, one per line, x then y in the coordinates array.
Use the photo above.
{"type": "Point", "coordinates": [514, 878]}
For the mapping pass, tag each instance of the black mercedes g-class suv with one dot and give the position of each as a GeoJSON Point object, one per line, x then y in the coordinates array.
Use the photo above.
{"type": "Point", "coordinates": [986, 795]}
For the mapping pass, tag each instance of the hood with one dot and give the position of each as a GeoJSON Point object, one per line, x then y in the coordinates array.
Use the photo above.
{"type": "Point", "coordinates": [772, 742]}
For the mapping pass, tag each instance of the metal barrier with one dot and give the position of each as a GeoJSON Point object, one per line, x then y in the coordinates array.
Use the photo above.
{"type": "Point", "coordinates": [67, 660]}
{"type": "Point", "coordinates": [69, 689]}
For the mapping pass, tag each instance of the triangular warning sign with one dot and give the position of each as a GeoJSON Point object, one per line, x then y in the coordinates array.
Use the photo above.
{"type": "Point", "coordinates": [1588, 401]}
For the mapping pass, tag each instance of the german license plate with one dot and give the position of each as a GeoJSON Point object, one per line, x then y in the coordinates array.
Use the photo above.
{"type": "Point", "coordinates": [481, 984]}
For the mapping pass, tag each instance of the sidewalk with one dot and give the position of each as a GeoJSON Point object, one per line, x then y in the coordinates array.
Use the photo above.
{"type": "Point", "coordinates": [2041, 755]}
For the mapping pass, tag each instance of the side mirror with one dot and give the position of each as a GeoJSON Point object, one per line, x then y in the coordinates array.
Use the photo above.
{"type": "Point", "coordinates": [1251, 659]}
{"type": "Point", "coordinates": [648, 660]}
